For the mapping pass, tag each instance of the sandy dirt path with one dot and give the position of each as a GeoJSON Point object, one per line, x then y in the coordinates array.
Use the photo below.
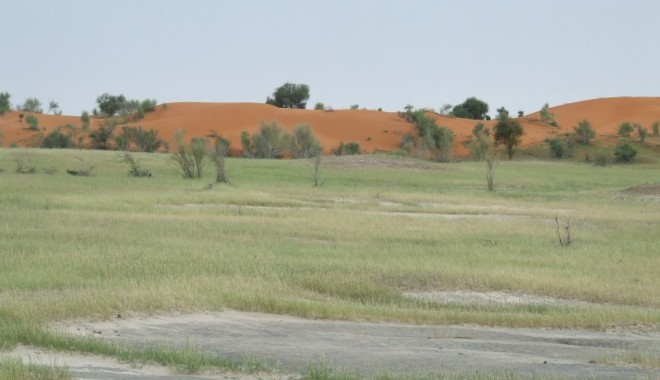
{"type": "Point", "coordinates": [372, 348]}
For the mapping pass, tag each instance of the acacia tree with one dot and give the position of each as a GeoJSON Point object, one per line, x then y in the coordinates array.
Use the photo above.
{"type": "Point", "coordinates": [471, 108]}
{"type": "Point", "coordinates": [110, 105]}
{"type": "Point", "coordinates": [290, 95]}
{"type": "Point", "coordinates": [508, 132]}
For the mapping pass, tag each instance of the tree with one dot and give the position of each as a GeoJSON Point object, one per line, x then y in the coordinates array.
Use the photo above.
{"type": "Point", "coordinates": [32, 105]}
{"type": "Point", "coordinates": [471, 108]}
{"type": "Point", "coordinates": [319, 106]}
{"type": "Point", "coordinates": [4, 102]}
{"type": "Point", "coordinates": [110, 105]}
{"type": "Point", "coordinates": [502, 113]}
{"type": "Point", "coordinates": [508, 132]}
{"type": "Point", "coordinates": [584, 132]}
{"type": "Point", "coordinates": [53, 106]}
{"type": "Point", "coordinates": [290, 95]}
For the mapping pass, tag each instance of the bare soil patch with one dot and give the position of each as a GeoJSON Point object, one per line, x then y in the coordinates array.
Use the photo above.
{"type": "Point", "coordinates": [372, 348]}
{"type": "Point", "coordinates": [649, 190]}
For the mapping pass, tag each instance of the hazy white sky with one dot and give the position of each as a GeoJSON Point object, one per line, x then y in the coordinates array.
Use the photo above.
{"type": "Point", "coordinates": [514, 53]}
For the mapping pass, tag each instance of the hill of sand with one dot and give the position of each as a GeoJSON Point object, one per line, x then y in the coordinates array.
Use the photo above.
{"type": "Point", "coordinates": [373, 130]}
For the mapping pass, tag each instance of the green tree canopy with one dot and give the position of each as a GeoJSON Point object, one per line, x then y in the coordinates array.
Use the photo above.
{"type": "Point", "coordinates": [110, 105]}
{"type": "Point", "coordinates": [290, 95]}
{"type": "Point", "coordinates": [471, 108]}
{"type": "Point", "coordinates": [508, 132]}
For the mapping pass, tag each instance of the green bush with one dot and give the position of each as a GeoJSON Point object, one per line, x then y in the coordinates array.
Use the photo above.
{"type": "Point", "coordinates": [625, 153]}
{"type": "Point", "coordinates": [33, 122]}
{"type": "Point", "coordinates": [557, 148]}
{"type": "Point", "coordinates": [602, 157]}
{"type": "Point", "coordinates": [57, 139]}
{"type": "Point", "coordinates": [656, 128]}
{"type": "Point", "coordinates": [346, 149]}
{"type": "Point", "coordinates": [135, 169]}
{"type": "Point", "coordinates": [319, 106]}
{"type": "Point", "coordinates": [625, 129]}
{"type": "Point", "coordinates": [190, 157]}
{"type": "Point", "coordinates": [246, 144]}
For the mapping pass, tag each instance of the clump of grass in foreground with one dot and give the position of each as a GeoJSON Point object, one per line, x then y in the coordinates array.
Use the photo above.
{"type": "Point", "coordinates": [15, 369]}
{"type": "Point", "coordinates": [324, 371]}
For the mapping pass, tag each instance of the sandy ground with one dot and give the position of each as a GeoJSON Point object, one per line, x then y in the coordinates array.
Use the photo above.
{"type": "Point", "coordinates": [366, 348]}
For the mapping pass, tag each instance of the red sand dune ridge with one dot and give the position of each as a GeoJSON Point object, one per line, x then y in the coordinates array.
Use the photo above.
{"type": "Point", "coordinates": [373, 130]}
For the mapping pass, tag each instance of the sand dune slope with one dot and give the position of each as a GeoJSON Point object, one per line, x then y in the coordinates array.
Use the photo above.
{"type": "Point", "coordinates": [373, 130]}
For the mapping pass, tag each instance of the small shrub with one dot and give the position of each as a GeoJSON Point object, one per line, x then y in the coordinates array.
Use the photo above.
{"type": "Point", "coordinates": [490, 173]}
{"type": "Point", "coordinates": [355, 107]}
{"type": "Point", "coordinates": [33, 122]}
{"type": "Point", "coordinates": [319, 106]}
{"type": "Point", "coordinates": [547, 116]}
{"type": "Point", "coordinates": [557, 148]}
{"type": "Point", "coordinates": [602, 157]}
{"type": "Point", "coordinates": [624, 153]}
{"type": "Point", "coordinates": [246, 143]}
{"type": "Point", "coordinates": [656, 128]}
{"type": "Point", "coordinates": [217, 154]}
{"type": "Point", "coordinates": [135, 169]}
{"type": "Point", "coordinates": [317, 180]}
{"type": "Point", "coordinates": [346, 149]}
{"type": "Point", "coordinates": [57, 139]}
{"type": "Point", "coordinates": [479, 144]}
{"type": "Point", "coordinates": [23, 168]}
{"type": "Point", "coordinates": [190, 157]}
{"type": "Point", "coordinates": [625, 129]}
{"type": "Point", "coordinates": [408, 143]}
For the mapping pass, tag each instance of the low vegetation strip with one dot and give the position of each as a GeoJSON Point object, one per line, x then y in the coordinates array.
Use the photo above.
{"type": "Point", "coordinates": [95, 247]}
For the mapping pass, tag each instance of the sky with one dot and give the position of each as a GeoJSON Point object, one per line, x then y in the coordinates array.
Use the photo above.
{"type": "Point", "coordinates": [386, 54]}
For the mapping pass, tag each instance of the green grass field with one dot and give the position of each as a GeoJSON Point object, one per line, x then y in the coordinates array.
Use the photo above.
{"type": "Point", "coordinates": [94, 247]}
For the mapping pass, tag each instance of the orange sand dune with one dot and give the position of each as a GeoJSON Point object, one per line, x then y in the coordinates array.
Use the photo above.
{"type": "Point", "coordinates": [373, 130]}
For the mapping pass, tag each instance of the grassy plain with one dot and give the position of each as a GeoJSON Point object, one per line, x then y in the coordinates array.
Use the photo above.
{"type": "Point", "coordinates": [94, 247]}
